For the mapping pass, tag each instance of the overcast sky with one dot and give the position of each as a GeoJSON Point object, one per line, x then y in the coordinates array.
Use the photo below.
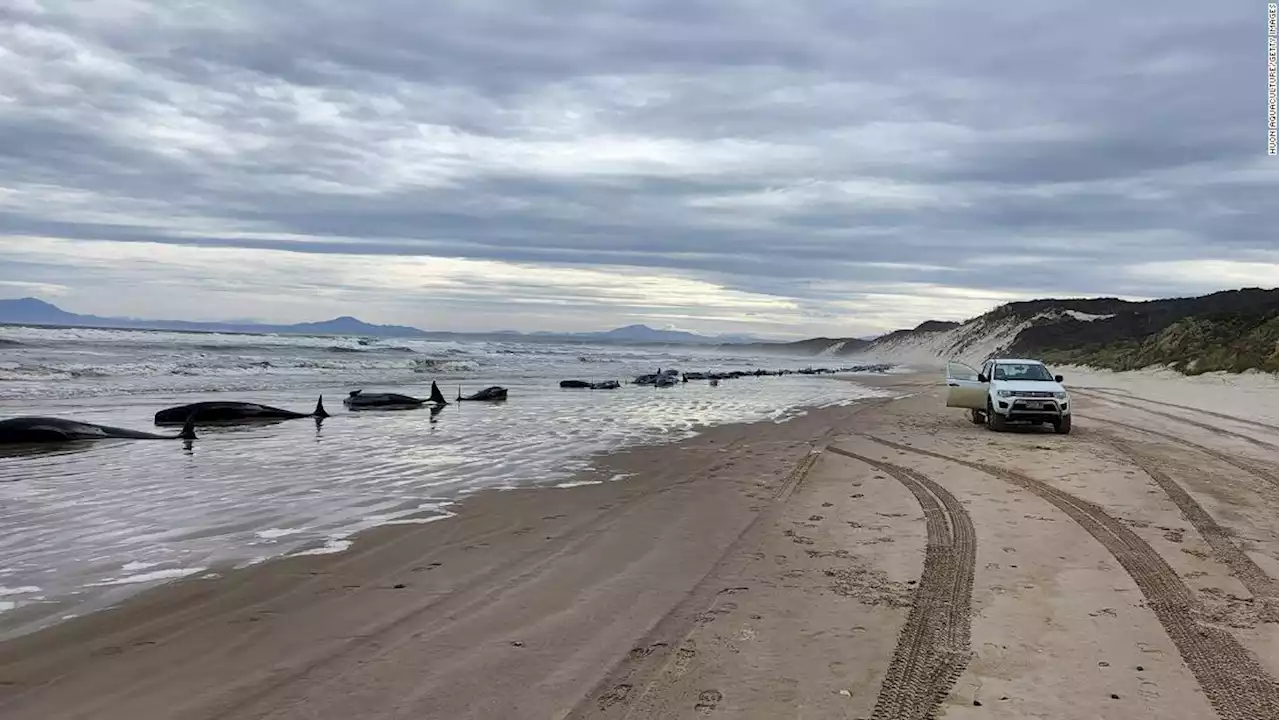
{"type": "Point", "coordinates": [780, 168]}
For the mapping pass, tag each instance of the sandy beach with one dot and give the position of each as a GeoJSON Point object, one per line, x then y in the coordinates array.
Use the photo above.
{"type": "Point", "coordinates": [886, 559]}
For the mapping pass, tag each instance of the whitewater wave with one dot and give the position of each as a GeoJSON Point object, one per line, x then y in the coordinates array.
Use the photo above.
{"type": "Point", "coordinates": [444, 365]}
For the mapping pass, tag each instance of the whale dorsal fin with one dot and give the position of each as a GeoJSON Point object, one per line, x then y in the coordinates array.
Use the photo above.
{"type": "Point", "coordinates": [437, 397]}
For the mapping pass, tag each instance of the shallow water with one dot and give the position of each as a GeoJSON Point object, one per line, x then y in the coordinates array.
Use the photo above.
{"type": "Point", "coordinates": [88, 525]}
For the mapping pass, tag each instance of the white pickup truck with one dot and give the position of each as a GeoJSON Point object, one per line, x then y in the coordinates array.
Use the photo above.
{"type": "Point", "coordinates": [1007, 390]}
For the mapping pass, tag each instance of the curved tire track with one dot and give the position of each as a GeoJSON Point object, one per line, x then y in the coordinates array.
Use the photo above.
{"type": "Point", "coordinates": [1194, 423]}
{"type": "Point", "coordinates": [933, 646]}
{"type": "Point", "coordinates": [1229, 459]}
{"type": "Point", "coordinates": [1232, 679]}
{"type": "Point", "coordinates": [1261, 586]}
{"type": "Point", "coordinates": [1093, 394]}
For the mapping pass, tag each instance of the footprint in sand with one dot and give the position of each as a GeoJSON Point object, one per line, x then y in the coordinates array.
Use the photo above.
{"type": "Point", "coordinates": [684, 658]}
{"type": "Point", "coordinates": [708, 700]}
{"type": "Point", "coordinates": [614, 696]}
{"type": "Point", "coordinates": [643, 652]}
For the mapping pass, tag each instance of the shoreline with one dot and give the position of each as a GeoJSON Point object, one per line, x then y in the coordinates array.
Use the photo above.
{"type": "Point", "coordinates": [363, 470]}
{"type": "Point", "coordinates": [35, 617]}
{"type": "Point", "coordinates": [491, 534]}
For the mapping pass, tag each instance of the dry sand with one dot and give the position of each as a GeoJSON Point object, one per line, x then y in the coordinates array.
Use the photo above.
{"type": "Point", "coordinates": [887, 560]}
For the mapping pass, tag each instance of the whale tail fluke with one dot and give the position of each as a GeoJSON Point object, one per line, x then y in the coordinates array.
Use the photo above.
{"type": "Point", "coordinates": [189, 428]}
{"type": "Point", "coordinates": [320, 411]}
{"type": "Point", "coordinates": [437, 397]}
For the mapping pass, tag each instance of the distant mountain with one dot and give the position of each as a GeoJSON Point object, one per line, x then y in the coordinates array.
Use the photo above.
{"type": "Point", "coordinates": [1232, 330]}
{"type": "Point", "coordinates": [38, 312]}
{"type": "Point", "coordinates": [644, 333]}
{"type": "Point", "coordinates": [347, 325]}
{"type": "Point", "coordinates": [32, 311]}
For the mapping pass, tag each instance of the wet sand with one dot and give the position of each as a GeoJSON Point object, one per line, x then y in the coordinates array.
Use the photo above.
{"type": "Point", "coordinates": [884, 560]}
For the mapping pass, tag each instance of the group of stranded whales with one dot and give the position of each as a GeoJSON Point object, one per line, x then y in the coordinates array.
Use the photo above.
{"type": "Point", "coordinates": [32, 430]}
{"type": "Point", "coordinates": [669, 377]}
{"type": "Point", "coordinates": [42, 430]}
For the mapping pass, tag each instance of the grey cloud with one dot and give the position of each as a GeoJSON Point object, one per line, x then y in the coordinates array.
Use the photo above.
{"type": "Point", "coordinates": [655, 135]}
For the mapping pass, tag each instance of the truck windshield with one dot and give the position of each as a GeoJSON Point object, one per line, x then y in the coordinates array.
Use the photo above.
{"type": "Point", "coordinates": [1018, 371]}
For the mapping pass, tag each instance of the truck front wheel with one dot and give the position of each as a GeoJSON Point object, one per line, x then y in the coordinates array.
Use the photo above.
{"type": "Point", "coordinates": [1063, 425]}
{"type": "Point", "coordinates": [995, 421]}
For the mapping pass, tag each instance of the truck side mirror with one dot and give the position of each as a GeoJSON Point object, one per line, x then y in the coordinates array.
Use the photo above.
{"type": "Point", "coordinates": [1057, 378]}
{"type": "Point", "coordinates": [983, 378]}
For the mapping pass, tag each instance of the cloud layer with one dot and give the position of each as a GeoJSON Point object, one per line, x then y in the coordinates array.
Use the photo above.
{"type": "Point", "coordinates": [779, 168]}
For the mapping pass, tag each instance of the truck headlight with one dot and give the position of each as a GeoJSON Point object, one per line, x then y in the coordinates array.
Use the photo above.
{"type": "Point", "coordinates": [1060, 395]}
{"type": "Point", "coordinates": [1004, 393]}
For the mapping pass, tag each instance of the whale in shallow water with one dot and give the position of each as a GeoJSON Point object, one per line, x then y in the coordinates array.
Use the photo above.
{"type": "Point", "coordinates": [583, 384]}
{"type": "Point", "coordinates": [59, 430]}
{"type": "Point", "coordinates": [360, 400]}
{"type": "Point", "coordinates": [218, 411]}
{"type": "Point", "coordinates": [489, 393]}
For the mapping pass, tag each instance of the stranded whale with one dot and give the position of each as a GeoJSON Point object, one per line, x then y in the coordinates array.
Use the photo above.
{"type": "Point", "coordinates": [56, 430]}
{"type": "Point", "coordinates": [583, 384]}
{"type": "Point", "coordinates": [489, 393]}
{"type": "Point", "coordinates": [360, 400]}
{"type": "Point", "coordinates": [232, 412]}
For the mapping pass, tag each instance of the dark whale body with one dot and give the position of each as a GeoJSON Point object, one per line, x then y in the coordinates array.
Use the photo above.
{"type": "Point", "coordinates": [232, 412]}
{"type": "Point", "coordinates": [60, 430]}
{"type": "Point", "coordinates": [360, 400]}
{"type": "Point", "coordinates": [490, 393]}
{"type": "Point", "coordinates": [583, 384]}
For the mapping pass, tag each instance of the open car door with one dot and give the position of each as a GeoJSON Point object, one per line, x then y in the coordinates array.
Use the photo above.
{"type": "Point", "coordinates": [963, 388]}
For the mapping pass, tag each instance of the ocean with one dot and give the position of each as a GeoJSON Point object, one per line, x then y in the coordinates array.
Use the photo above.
{"type": "Point", "coordinates": [85, 527]}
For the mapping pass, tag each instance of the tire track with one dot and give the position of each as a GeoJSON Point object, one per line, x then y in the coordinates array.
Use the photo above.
{"type": "Point", "coordinates": [665, 651]}
{"type": "Point", "coordinates": [1091, 393]}
{"type": "Point", "coordinates": [1261, 586]}
{"type": "Point", "coordinates": [1227, 458]}
{"type": "Point", "coordinates": [1194, 423]}
{"type": "Point", "coordinates": [1232, 679]}
{"type": "Point", "coordinates": [933, 645]}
